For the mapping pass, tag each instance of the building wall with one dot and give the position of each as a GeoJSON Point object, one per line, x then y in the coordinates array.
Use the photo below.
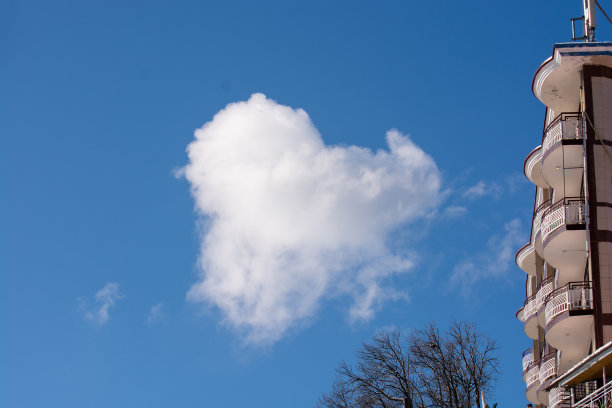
{"type": "Point", "coordinates": [598, 107]}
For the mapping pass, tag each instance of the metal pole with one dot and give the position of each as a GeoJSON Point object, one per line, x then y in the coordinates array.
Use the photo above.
{"type": "Point", "coordinates": [605, 391]}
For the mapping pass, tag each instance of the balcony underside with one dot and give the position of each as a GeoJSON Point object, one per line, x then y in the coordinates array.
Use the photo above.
{"type": "Point", "coordinates": [562, 168]}
{"type": "Point", "coordinates": [569, 358]}
{"type": "Point", "coordinates": [531, 327]}
{"type": "Point", "coordinates": [532, 393]}
{"type": "Point", "coordinates": [526, 259]}
{"type": "Point", "coordinates": [542, 316]}
{"type": "Point", "coordinates": [542, 392]}
{"type": "Point", "coordinates": [557, 81]}
{"type": "Point", "coordinates": [565, 249]}
{"type": "Point", "coordinates": [537, 243]}
{"type": "Point", "coordinates": [533, 168]}
{"type": "Point", "coordinates": [570, 332]}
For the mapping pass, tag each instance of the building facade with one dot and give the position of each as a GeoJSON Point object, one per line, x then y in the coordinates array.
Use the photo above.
{"type": "Point", "coordinates": [567, 312]}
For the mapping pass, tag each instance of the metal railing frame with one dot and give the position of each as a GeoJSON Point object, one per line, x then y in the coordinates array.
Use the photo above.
{"type": "Point", "coordinates": [599, 398]}
{"type": "Point", "coordinates": [544, 289]}
{"type": "Point", "coordinates": [567, 211]}
{"type": "Point", "coordinates": [548, 367]}
{"type": "Point", "coordinates": [571, 296]}
{"type": "Point", "coordinates": [559, 398]}
{"type": "Point", "coordinates": [527, 359]}
{"type": "Point", "coordinates": [566, 126]}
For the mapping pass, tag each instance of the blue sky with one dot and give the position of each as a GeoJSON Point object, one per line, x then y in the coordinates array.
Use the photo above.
{"type": "Point", "coordinates": [102, 239]}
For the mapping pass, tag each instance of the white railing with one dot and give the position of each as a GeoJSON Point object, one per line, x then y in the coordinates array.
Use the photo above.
{"type": "Point", "coordinates": [572, 296]}
{"type": "Point", "coordinates": [527, 359]}
{"type": "Point", "coordinates": [569, 211]}
{"type": "Point", "coordinates": [533, 375]}
{"type": "Point", "coordinates": [598, 398]}
{"type": "Point", "coordinates": [530, 309]}
{"type": "Point", "coordinates": [537, 218]}
{"type": "Point", "coordinates": [548, 368]}
{"type": "Point", "coordinates": [554, 218]}
{"type": "Point", "coordinates": [521, 314]}
{"type": "Point", "coordinates": [545, 288]}
{"type": "Point", "coordinates": [565, 126]}
{"type": "Point", "coordinates": [559, 398]}
{"type": "Point", "coordinates": [532, 160]}
{"type": "Point", "coordinates": [524, 253]}
{"type": "Point", "coordinates": [553, 135]}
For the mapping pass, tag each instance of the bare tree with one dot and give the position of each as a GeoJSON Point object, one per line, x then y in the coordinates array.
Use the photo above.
{"type": "Point", "coordinates": [438, 373]}
{"type": "Point", "coordinates": [421, 371]}
{"type": "Point", "coordinates": [454, 369]}
{"type": "Point", "coordinates": [341, 396]}
{"type": "Point", "coordinates": [381, 377]}
{"type": "Point", "coordinates": [476, 356]}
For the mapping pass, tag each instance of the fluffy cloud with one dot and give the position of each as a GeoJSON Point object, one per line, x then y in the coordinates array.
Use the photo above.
{"type": "Point", "coordinates": [290, 220]}
{"type": "Point", "coordinates": [104, 301]}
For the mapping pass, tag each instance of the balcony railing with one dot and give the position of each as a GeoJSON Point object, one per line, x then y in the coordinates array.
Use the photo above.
{"type": "Point", "coordinates": [529, 308]}
{"type": "Point", "coordinates": [544, 289]}
{"type": "Point", "coordinates": [559, 398]}
{"type": "Point", "coordinates": [533, 375]}
{"type": "Point", "coordinates": [527, 359]}
{"type": "Point", "coordinates": [521, 314]}
{"type": "Point", "coordinates": [572, 296]}
{"type": "Point", "coordinates": [538, 215]}
{"type": "Point", "coordinates": [522, 254]}
{"type": "Point", "coordinates": [548, 367]}
{"type": "Point", "coordinates": [600, 397]}
{"type": "Point", "coordinates": [567, 126]}
{"type": "Point", "coordinates": [569, 211]}
{"type": "Point", "coordinates": [531, 160]}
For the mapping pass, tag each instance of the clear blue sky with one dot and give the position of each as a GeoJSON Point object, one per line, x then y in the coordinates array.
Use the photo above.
{"type": "Point", "coordinates": [99, 103]}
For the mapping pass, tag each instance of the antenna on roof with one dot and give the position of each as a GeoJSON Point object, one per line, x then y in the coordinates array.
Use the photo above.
{"type": "Point", "coordinates": [588, 18]}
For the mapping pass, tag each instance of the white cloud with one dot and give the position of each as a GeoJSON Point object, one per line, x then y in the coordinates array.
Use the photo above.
{"type": "Point", "coordinates": [495, 189]}
{"type": "Point", "coordinates": [493, 262]}
{"type": "Point", "coordinates": [156, 314]}
{"type": "Point", "coordinates": [104, 301]}
{"type": "Point", "coordinates": [290, 220]}
{"type": "Point", "coordinates": [481, 189]}
{"type": "Point", "coordinates": [454, 211]}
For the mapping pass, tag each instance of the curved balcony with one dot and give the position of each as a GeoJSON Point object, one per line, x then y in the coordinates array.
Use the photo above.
{"type": "Point", "coordinates": [533, 382]}
{"type": "Point", "coordinates": [520, 315]}
{"type": "Point", "coordinates": [559, 398]}
{"type": "Point", "coordinates": [544, 289]}
{"type": "Point", "coordinates": [547, 373]}
{"type": "Point", "coordinates": [562, 154]}
{"type": "Point", "coordinates": [529, 317]}
{"type": "Point", "coordinates": [525, 259]}
{"type": "Point", "coordinates": [527, 361]}
{"type": "Point", "coordinates": [532, 167]}
{"type": "Point", "coordinates": [557, 81]}
{"type": "Point", "coordinates": [537, 226]}
{"type": "Point", "coordinates": [563, 231]}
{"type": "Point", "coordinates": [569, 320]}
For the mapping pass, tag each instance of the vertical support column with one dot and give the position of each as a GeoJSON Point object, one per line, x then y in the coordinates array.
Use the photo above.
{"type": "Point", "coordinates": [591, 200]}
